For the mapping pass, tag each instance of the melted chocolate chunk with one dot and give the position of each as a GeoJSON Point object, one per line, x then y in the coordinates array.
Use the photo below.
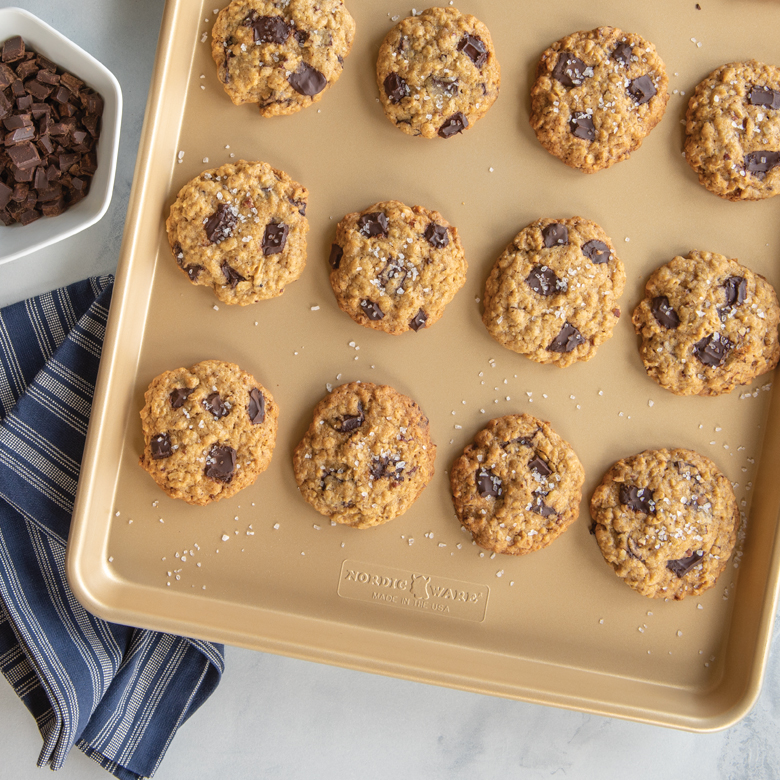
{"type": "Point", "coordinates": [570, 70]}
{"type": "Point", "coordinates": [663, 312]}
{"type": "Point", "coordinates": [275, 238]}
{"type": "Point", "coordinates": [221, 223]}
{"type": "Point", "coordinates": [543, 281]}
{"type": "Point", "coordinates": [474, 49]}
{"type": "Point", "coordinates": [488, 484]}
{"type": "Point", "coordinates": [194, 271]}
{"type": "Point", "coordinates": [555, 235]}
{"type": "Point", "coordinates": [681, 566]}
{"type": "Point", "coordinates": [386, 466]}
{"type": "Point", "coordinates": [301, 36]}
{"type": "Point", "coordinates": [712, 350]}
{"type": "Point", "coordinates": [396, 88]}
{"type": "Point", "coordinates": [220, 463]}
{"type": "Point", "coordinates": [437, 235]}
{"type": "Point", "coordinates": [232, 277]}
{"type": "Point", "coordinates": [457, 123]}
{"type": "Point", "coordinates": [214, 404]}
{"type": "Point", "coordinates": [596, 251]}
{"type": "Point", "coordinates": [256, 407]}
{"type": "Point", "coordinates": [160, 446]}
{"type": "Point", "coordinates": [373, 224]}
{"type": "Point", "coordinates": [371, 309]}
{"type": "Point", "coordinates": [418, 321]}
{"type": "Point", "coordinates": [642, 89]}
{"type": "Point", "coordinates": [638, 499]}
{"type": "Point", "coordinates": [270, 29]}
{"type": "Point", "coordinates": [764, 96]}
{"type": "Point", "coordinates": [540, 508]}
{"type": "Point", "coordinates": [307, 80]}
{"type": "Point", "coordinates": [568, 339]}
{"type": "Point", "coordinates": [540, 467]}
{"type": "Point", "coordinates": [762, 162]}
{"type": "Point", "coordinates": [336, 253]}
{"type": "Point", "coordinates": [736, 290]}
{"type": "Point", "coordinates": [179, 396]}
{"type": "Point", "coordinates": [352, 422]}
{"type": "Point", "coordinates": [581, 126]}
{"type": "Point", "coordinates": [623, 53]}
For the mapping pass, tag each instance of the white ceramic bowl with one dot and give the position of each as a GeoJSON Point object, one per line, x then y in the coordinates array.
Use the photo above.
{"type": "Point", "coordinates": [17, 240]}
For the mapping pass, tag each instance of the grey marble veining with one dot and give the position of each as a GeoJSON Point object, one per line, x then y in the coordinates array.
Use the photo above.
{"type": "Point", "coordinates": [275, 717]}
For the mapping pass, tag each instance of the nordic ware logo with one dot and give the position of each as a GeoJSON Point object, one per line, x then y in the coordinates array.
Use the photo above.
{"type": "Point", "coordinates": [413, 590]}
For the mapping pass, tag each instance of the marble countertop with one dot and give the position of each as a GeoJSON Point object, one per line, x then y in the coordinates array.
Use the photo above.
{"type": "Point", "coordinates": [279, 717]}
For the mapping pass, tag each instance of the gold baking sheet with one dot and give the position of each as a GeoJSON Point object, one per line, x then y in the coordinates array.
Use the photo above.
{"type": "Point", "coordinates": [556, 626]}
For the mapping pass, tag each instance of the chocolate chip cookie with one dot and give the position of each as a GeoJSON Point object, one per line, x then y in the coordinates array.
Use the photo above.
{"type": "Point", "coordinates": [666, 521]}
{"type": "Point", "coordinates": [732, 131]}
{"type": "Point", "coordinates": [395, 268]}
{"type": "Point", "coordinates": [281, 55]}
{"type": "Point", "coordinates": [518, 486]}
{"type": "Point", "coordinates": [596, 97]}
{"type": "Point", "coordinates": [707, 324]}
{"type": "Point", "coordinates": [437, 73]}
{"type": "Point", "coordinates": [553, 294]}
{"type": "Point", "coordinates": [241, 230]}
{"type": "Point", "coordinates": [367, 455]}
{"type": "Point", "coordinates": [209, 431]}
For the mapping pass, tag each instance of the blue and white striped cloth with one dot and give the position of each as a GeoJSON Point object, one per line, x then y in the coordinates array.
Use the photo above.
{"type": "Point", "coordinates": [118, 693]}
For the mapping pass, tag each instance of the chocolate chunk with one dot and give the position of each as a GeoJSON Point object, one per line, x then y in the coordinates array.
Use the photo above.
{"type": "Point", "coordinates": [571, 71]}
{"type": "Point", "coordinates": [581, 126]}
{"type": "Point", "coordinates": [473, 48]}
{"type": "Point", "coordinates": [540, 467]}
{"type": "Point", "coordinates": [352, 422]}
{"type": "Point", "coordinates": [418, 321]}
{"type": "Point", "coordinates": [736, 290]}
{"type": "Point", "coordinates": [540, 508]}
{"type": "Point", "coordinates": [555, 234]}
{"type": "Point", "coordinates": [457, 123]}
{"type": "Point", "coordinates": [214, 404]}
{"type": "Point", "coordinates": [436, 235]}
{"type": "Point", "coordinates": [663, 312]}
{"type": "Point", "coordinates": [301, 36]}
{"type": "Point", "coordinates": [373, 224]}
{"type": "Point", "coordinates": [179, 396]}
{"type": "Point", "coordinates": [24, 155]}
{"type": "Point", "coordinates": [13, 49]}
{"type": "Point", "coordinates": [19, 134]}
{"type": "Point", "coordinates": [489, 485]}
{"type": "Point", "coordinates": [764, 96]}
{"type": "Point", "coordinates": [371, 309]}
{"type": "Point", "coordinates": [623, 53]}
{"type": "Point", "coordinates": [270, 29]}
{"type": "Point", "coordinates": [386, 466]}
{"type": "Point", "coordinates": [638, 499]}
{"type": "Point", "coordinates": [193, 271]}
{"type": "Point", "coordinates": [596, 251]}
{"type": "Point", "coordinates": [712, 350]}
{"type": "Point", "coordinates": [160, 446]}
{"type": "Point", "coordinates": [221, 223]}
{"type": "Point", "coordinates": [642, 89]}
{"type": "Point", "coordinates": [256, 407]}
{"type": "Point", "coordinates": [396, 88]}
{"type": "Point", "coordinates": [543, 281]}
{"type": "Point", "coordinates": [300, 205]}
{"type": "Point", "coordinates": [336, 253]}
{"type": "Point", "coordinates": [6, 76]}
{"type": "Point", "coordinates": [5, 195]}
{"type": "Point", "coordinates": [307, 80]}
{"type": "Point", "coordinates": [762, 162]}
{"type": "Point", "coordinates": [681, 566]}
{"type": "Point", "coordinates": [232, 277]}
{"type": "Point", "coordinates": [568, 339]}
{"type": "Point", "coordinates": [275, 238]}
{"type": "Point", "coordinates": [220, 463]}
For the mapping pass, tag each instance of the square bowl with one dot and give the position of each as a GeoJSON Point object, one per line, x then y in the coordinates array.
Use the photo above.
{"type": "Point", "coordinates": [18, 240]}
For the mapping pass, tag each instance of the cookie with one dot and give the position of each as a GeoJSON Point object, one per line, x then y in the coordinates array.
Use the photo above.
{"type": "Point", "coordinates": [666, 521]}
{"type": "Point", "coordinates": [241, 230]}
{"type": "Point", "coordinates": [395, 268]}
{"type": "Point", "coordinates": [366, 457]}
{"type": "Point", "coordinates": [707, 324]}
{"type": "Point", "coordinates": [596, 96]}
{"type": "Point", "coordinates": [732, 131]}
{"type": "Point", "coordinates": [518, 486]}
{"type": "Point", "coordinates": [281, 55]}
{"type": "Point", "coordinates": [209, 431]}
{"type": "Point", "coordinates": [437, 73]}
{"type": "Point", "coordinates": [553, 294]}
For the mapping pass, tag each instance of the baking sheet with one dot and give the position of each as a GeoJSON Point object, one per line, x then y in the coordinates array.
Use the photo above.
{"type": "Point", "coordinates": [263, 569]}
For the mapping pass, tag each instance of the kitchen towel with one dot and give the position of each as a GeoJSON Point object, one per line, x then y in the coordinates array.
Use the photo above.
{"type": "Point", "coordinates": [116, 692]}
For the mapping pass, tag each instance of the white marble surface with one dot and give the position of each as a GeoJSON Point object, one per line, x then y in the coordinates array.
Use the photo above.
{"type": "Point", "coordinates": [279, 717]}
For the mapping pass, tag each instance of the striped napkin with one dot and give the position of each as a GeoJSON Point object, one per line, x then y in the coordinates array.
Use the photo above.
{"type": "Point", "coordinates": [117, 693]}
